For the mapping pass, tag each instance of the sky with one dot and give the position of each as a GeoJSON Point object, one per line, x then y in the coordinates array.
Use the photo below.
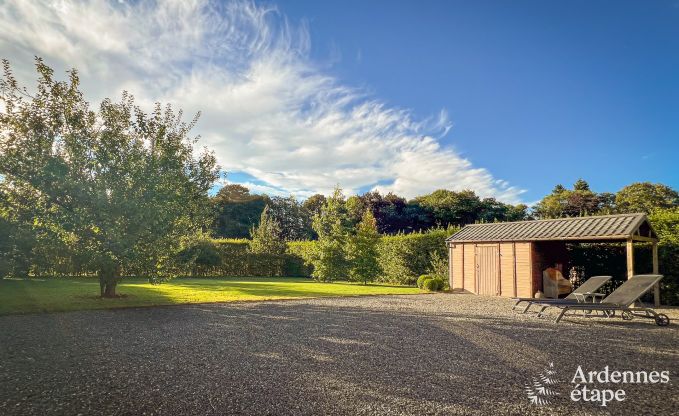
{"type": "Point", "coordinates": [505, 98]}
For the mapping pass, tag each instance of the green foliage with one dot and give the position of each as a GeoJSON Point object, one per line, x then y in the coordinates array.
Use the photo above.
{"type": "Point", "coordinates": [666, 223]}
{"type": "Point", "coordinates": [430, 285]}
{"type": "Point", "coordinates": [267, 236]}
{"type": "Point", "coordinates": [578, 202]}
{"type": "Point", "coordinates": [235, 259]}
{"type": "Point", "coordinates": [236, 211]}
{"type": "Point", "coordinates": [294, 220]}
{"type": "Point", "coordinates": [646, 197]}
{"type": "Point", "coordinates": [117, 186]}
{"type": "Point", "coordinates": [581, 185]}
{"type": "Point", "coordinates": [439, 283]}
{"type": "Point", "coordinates": [421, 279]}
{"type": "Point", "coordinates": [450, 207]}
{"type": "Point", "coordinates": [199, 254]}
{"type": "Point", "coordinates": [332, 226]}
{"type": "Point", "coordinates": [362, 250]}
{"type": "Point", "coordinates": [430, 282]}
{"type": "Point", "coordinates": [438, 264]}
{"type": "Point", "coordinates": [404, 257]}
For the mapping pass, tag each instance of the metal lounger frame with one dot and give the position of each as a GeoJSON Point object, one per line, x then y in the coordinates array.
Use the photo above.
{"type": "Point", "coordinates": [571, 298]}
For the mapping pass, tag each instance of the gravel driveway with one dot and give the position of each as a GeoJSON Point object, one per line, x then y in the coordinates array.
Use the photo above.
{"type": "Point", "coordinates": [428, 354]}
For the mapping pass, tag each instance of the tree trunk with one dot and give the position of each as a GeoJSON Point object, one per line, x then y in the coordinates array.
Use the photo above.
{"type": "Point", "coordinates": [108, 280]}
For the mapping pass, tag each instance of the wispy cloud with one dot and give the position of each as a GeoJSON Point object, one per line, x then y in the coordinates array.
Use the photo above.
{"type": "Point", "coordinates": [267, 108]}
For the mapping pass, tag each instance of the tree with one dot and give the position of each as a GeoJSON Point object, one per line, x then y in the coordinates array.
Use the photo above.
{"type": "Point", "coordinates": [362, 250]}
{"type": "Point", "coordinates": [294, 221]}
{"type": "Point", "coordinates": [492, 210]}
{"type": "Point", "coordinates": [314, 204]}
{"type": "Point", "coordinates": [267, 236]}
{"type": "Point", "coordinates": [236, 211]}
{"type": "Point", "coordinates": [579, 201]}
{"type": "Point", "coordinates": [118, 185]}
{"type": "Point", "coordinates": [332, 226]}
{"type": "Point", "coordinates": [581, 185]}
{"type": "Point", "coordinates": [646, 197]}
{"type": "Point", "coordinates": [451, 208]}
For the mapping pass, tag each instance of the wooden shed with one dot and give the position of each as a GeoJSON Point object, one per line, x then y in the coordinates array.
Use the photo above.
{"type": "Point", "coordinates": [507, 259]}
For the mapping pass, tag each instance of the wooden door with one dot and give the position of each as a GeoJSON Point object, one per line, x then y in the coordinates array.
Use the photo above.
{"type": "Point", "coordinates": [488, 270]}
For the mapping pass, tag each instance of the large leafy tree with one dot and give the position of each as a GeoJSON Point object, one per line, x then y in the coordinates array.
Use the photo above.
{"type": "Point", "coordinates": [449, 207]}
{"type": "Point", "coordinates": [236, 211]}
{"type": "Point", "coordinates": [646, 197]}
{"type": "Point", "coordinates": [294, 220]}
{"type": "Point", "coordinates": [118, 184]}
{"type": "Point", "coordinates": [576, 202]}
{"type": "Point", "coordinates": [492, 210]}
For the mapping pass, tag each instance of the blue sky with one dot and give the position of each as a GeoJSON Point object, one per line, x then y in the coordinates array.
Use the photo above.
{"type": "Point", "coordinates": [506, 98]}
{"type": "Point", "coordinates": [539, 92]}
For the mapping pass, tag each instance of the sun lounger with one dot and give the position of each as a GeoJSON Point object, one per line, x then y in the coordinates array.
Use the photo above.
{"type": "Point", "coordinates": [586, 292]}
{"type": "Point", "coordinates": [621, 300]}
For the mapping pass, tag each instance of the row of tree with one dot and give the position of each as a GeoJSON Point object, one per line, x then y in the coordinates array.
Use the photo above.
{"type": "Point", "coordinates": [236, 210]}
{"type": "Point", "coordinates": [581, 200]}
{"type": "Point", "coordinates": [345, 248]}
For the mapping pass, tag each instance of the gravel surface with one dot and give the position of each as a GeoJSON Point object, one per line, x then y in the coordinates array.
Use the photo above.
{"type": "Point", "coordinates": [426, 354]}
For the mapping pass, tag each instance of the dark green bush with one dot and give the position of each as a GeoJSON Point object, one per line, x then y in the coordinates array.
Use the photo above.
{"type": "Point", "coordinates": [439, 283]}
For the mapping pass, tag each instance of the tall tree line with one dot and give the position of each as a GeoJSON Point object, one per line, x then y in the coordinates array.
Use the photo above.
{"type": "Point", "coordinates": [236, 211]}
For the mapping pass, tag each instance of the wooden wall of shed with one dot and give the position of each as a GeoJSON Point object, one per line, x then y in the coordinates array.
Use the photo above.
{"type": "Point", "coordinates": [507, 269]}
{"type": "Point", "coordinates": [516, 268]}
{"type": "Point", "coordinates": [469, 267]}
{"type": "Point", "coordinates": [457, 269]}
{"type": "Point", "coordinates": [524, 275]}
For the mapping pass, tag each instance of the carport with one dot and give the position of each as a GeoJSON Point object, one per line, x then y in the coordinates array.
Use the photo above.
{"type": "Point", "coordinates": [507, 259]}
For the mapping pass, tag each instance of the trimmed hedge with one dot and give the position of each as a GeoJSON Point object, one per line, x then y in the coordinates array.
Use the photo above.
{"type": "Point", "coordinates": [236, 260]}
{"type": "Point", "coordinates": [404, 257]}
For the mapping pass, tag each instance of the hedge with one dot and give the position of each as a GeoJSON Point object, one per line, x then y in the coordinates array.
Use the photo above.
{"type": "Point", "coordinates": [404, 257]}
{"type": "Point", "coordinates": [237, 261]}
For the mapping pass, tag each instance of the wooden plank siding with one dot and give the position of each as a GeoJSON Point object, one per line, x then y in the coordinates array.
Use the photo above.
{"type": "Point", "coordinates": [469, 268]}
{"type": "Point", "coordinates": [507, 270]}
{"type": "Point", "coordinates": [515, 269]}
{"type": "Point", "coordinates": [457, 266]}
{"type": "Point", "coordinates": [524, 275]}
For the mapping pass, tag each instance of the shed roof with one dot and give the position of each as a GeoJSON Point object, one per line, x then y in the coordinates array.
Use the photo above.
{"type": "Point", "coordinates": [604, 227]}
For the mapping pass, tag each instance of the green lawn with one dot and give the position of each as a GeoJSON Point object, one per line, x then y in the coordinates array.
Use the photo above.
{"type": "Point", "coordinates": [51, 295]}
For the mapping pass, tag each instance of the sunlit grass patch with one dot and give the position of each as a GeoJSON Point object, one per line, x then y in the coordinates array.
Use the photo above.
{"type": "Point", "coordinates": [51, 295]}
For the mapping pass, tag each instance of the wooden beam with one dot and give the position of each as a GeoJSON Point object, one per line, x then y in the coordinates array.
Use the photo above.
{"type": "Point", "coordinates": [630, 258]}
{"type": "Point", "coordinates": [642, 238]}
{"type": "Point", "coordinates": [656, 270]}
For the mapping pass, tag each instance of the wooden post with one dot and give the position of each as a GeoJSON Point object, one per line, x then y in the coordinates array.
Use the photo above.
{"type": "Point", "coordinates": [630, 258]}
{"type": "Point", "coordinates": [451, 253]}
{"type": "Point", "coordinates": [656, 270]}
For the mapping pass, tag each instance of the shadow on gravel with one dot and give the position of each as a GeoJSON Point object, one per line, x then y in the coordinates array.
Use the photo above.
{"type": "Point", "coordinates": [386, 355]}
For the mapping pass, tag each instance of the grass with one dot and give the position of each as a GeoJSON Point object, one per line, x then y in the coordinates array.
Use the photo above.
{"type": "Point", "coordinates": [54, 295]}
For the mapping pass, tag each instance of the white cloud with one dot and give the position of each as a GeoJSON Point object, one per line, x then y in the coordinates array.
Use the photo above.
{"type": "Point", "coordinates": [267, 109]}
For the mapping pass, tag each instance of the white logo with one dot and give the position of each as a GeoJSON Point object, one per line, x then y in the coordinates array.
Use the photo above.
{"type": "Point", "coordinates": [599, 387]}
{"type": "Point", "coordinates": [541, 390]}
